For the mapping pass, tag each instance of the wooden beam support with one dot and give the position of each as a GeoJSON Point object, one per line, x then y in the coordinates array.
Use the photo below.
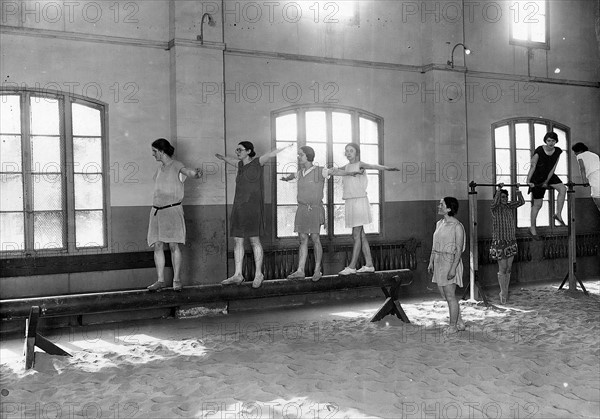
{"type": "Point", "coordinates": [79, 304]}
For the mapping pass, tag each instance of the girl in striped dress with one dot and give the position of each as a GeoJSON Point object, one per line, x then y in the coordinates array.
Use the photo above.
{"type": "Point", "coordinates": [504, 242]}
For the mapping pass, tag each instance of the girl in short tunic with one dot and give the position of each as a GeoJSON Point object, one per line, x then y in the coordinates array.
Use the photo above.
{"type": "Point", "coordinates": [357, 206]}
{"type": "Point", "coordinates": [167, 224]}
{"type": "Point", "coordinates": [310, 215]}
{"type": "Point", "coordinates": [445, 263]}
{"type": "Point", "coordinates": [247, 211]}
{"type": "Point", "coordinates": [504, 241]}
{"type": "Point", "coordinates": [541, 176]}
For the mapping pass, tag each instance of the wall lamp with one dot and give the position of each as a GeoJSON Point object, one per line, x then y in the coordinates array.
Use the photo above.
{"type": "Point", "coordinates": [467, 51]}
{"type": "Point", "coordinates": [211, 22]}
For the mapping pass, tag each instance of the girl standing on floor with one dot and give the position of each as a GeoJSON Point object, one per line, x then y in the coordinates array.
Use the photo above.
{"type": "Point", "coordinates": [357, 206]}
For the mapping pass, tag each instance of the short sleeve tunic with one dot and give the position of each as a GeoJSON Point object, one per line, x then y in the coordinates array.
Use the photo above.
{"type": "Point", "coordinates": [167, 225]}
{"type": "Point", "coordinates": [444, 246]}
{"type": "Point", "coordinates": [248, 203]}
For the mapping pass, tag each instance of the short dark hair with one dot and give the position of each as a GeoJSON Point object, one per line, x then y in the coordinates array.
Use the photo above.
{"type": "Point", "coordinates": [552, 135]}
{"type": "Point", "coordinates": [502, 191]}
{"type": "Point", "coordinates": [248, 146]}
{"type": "Point", "coordinates": [309, 151]}
{"type": "Point", "coordinates": [164, 146]}
{"type": "Point", "coordinates": [579, 148]}
{"type": "Point", "coordinates": [451, 203]}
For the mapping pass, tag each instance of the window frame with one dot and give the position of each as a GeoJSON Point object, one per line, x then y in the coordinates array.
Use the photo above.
{"type": "Point", "coordinates": [65, 102]}
{"type": "Point", "coordinates": [550, 126]}
{"type": "Point", "coordinates": [328, 237]}
{"type": "Point", "coordinates": [529, 43]}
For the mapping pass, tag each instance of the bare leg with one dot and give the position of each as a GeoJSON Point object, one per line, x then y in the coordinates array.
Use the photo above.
{"type": "Point", "coordinates": [509, 263]}
{"type": "Point", "coordinates": [159, 261]}
{"type": "Point", "coordinates": [318, 249]}
{"type": "Point", "coordinates": [238, 255]}
{"type": "Point", "coordinates": [448, 292]}
{"type": "Point", "coordinates": [176, 260]}
{"type": "Point", "coordinates": [560, 201]}
{"type": "Point", "coordinates": [302, 255]}
{"type": "Point", "coordinates": [366, 249]}
{"type": "Point", "coordinates": [357, 237]}
{"type": "Point", "coordinates": [535, 209]}
{"type": "Point", "coordinates": [257, 250]}
{"type": "Point", "coordinates": [502, 266]}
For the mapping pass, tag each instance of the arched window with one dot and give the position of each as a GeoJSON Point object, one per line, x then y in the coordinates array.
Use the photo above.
{"type": "Point", "coordinates": [327, 130]}
{"type": "Point", "coordinates": [514, 142]}
{"type": "Point", "coordinates": [53, 173]}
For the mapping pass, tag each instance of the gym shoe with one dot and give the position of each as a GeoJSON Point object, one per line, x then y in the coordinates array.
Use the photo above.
{"type": "Point", "coordinates": [177, 286]}
{"type": "Point", "coordinates": [258, 280]}
{"type": "Point", "coordinates": [296, 275]}
{"type": "Point", "coordinates": [156, 287]}
{"type": "Point", "coordinates": [366, 269]}
{"type": "Point", "coordinates": [347, 271]}
{"type": "Point", "coordinates": [234, 280]}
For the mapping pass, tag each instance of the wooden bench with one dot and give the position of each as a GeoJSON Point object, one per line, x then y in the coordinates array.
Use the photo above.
{"type": "Point", "coordinates": [107, 302]}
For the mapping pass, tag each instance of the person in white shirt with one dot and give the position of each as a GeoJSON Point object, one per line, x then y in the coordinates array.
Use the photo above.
{"type": "Point", "coordinates": [589, 166]}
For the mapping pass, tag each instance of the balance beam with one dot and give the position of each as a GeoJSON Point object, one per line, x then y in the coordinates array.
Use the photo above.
{"type": "Point", "coordinates": [114, 301]}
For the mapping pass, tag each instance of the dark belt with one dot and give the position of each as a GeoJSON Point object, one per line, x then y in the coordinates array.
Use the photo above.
{"type": "Point", "coordinates": [165, 207]}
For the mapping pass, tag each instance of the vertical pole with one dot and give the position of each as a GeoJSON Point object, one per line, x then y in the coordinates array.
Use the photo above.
{"type": "Point", "coordinates": [473, 238]}
{"type": "Point", "coordinates": [572, 236]}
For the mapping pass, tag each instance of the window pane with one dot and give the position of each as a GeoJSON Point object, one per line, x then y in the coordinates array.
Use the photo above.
{"type": "Point", "coordinates": [87, 155]}
{"type": "Point", "coordinates": [543, 219]}
{"type": "Point", "coordinates": [501, 137]}
{"type": "Point", "coordinates": [502, 163]}
{"type": "Point", "coordinates": [11, 192]}
{"type": "Point", "coordinates": [47, 192]}
{"type": "Point", "coordinates": [339, 220]}
{"type": "Point", "coordinates": [44, 116]}
{"type": "Point", "coordinates": [286, 128]}
{"type": "Point", "coordinates": [89, 227]}
{"type": "Point", "coordinates": [10, 114]}
{"type": "Point", "coordinates": [369, 153]}
{"type": "Point", "coordinates": [88, 191]}
{"type": "Point", "coordinates": [538, 31]}
{"type": "Point", "coordinates": [86, 121]}
{"type": "Point", "coordinates": [374, 226]}
{"type": "Point", "coordinates": [287, 192]}
{"type": "Point", "coordinates": [342, 127]}
{"type": "Point", "coordinates": [520, 31]}
{"type": "Point", "coordinates": [285, 221]}
{"type": "Point", "coordinates": [562, 137]}
{"type": "Point", "coordinates": [287, 160]}
{"type": "Point", "coordinates": [45, 154]}
{"type": "Point", "coordinates": [320, 153]}
{"type": "Point", "coordinates": [339, 156]}
{"type": "Point", "coordinates": [10, 153]}
{"type": "Point", "coordinates": [539, 131]}
{"type": "Point", "coordinates": [503, 179]}
{"type": "Point", "coordinates": [523, 214]}
{"type": "Point", "coordinates": [338, 189]}
{"type": "Point", "coordinates": [315, 126]}
{"type": "Point", "coordinates": [523, 161]}
{"type": "Point", "coordinates": [368, 131]}
{"type": "Point", "coordinates": [522, 135]}
{"type": "Point", "coordinates": [12, 227]}
{"type": "Point", "coordinates": [373, 187]}
{"type": "Point", "coordinates": [47, 230]}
